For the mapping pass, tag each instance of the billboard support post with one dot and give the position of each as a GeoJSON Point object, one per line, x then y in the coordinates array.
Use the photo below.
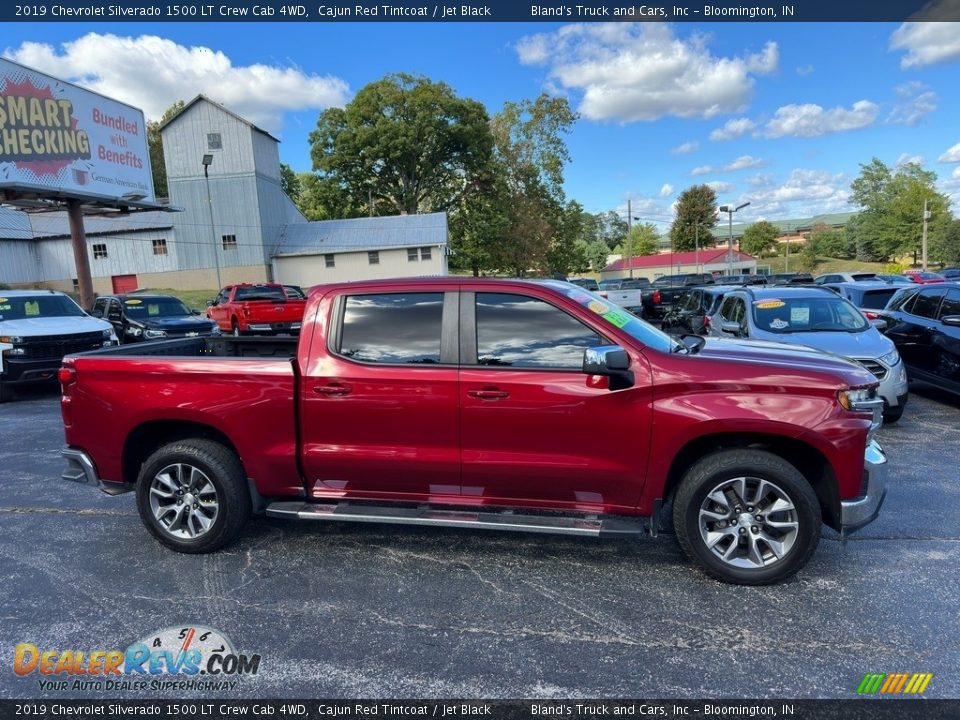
{"type": "Point", "coordinates": [78, 238]}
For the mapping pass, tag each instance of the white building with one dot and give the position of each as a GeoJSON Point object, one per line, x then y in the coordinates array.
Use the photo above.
{"type": "Point", "coordinates": [256, 233]}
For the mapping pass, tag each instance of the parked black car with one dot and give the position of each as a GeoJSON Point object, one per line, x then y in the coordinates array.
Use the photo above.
{"type": "Point", "coordinates": [151, 317]}
{"type": "Point", "coordinates": [689, 314]}
{"type": "Point", "coordinates": [585, 283]}
{"type": "Point", "coordinates": [924, 324]}
{"type": "Point", "coordinates": [795, 278]}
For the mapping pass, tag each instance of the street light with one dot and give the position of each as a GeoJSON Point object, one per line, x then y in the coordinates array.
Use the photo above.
{"type": "Point", "coordinates": [207, 162]}
{"type": "Point", "coordinates": [730, 210]}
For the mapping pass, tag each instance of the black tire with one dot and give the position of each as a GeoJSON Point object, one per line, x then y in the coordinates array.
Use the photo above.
{"type": "Point", "coordinates": [891, 415]}
{"type": "Point", "coordinates": [216, 464]}
{"type": "Point", "coordinates": [235, 328]}
{"type": "Point", "coordinates": [6, 393]}
{"type": "Point", "coordinates": [749, 532]}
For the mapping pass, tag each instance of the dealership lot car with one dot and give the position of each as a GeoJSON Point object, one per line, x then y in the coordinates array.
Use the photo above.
{"type": "Point", "coordinates": [692, 312]}
{"type": "Point", "coordinates": [867, 295]}
{"type": "Point", "coordinates": [925, 327]}
{"type": "Point", "coordinates": [817, 318]}
{"type": "Point", "coordinates": [151, 317]}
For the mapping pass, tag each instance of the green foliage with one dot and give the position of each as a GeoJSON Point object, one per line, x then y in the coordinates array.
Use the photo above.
{"type": "Point", "coordinates": [831, 242]}
{"type": "Point", "coordinates": [759, 237]}
{"type": "Point", "coordinates": [289, 181]}
{"type": "Point", "coordinates": [890, 223]}
{"type": "Point", "coordinates": [807, 259]}
{"type": "Point", "coordinates": [608, 227]}
{"type": "Point", "coordinates": [894, 269]}
{"type": "Point", "coordinates": [479, 222]}
{"type": "Point", "coordinates": [597, 252]}
{"type": "Point", "coordinates": [643, 239]}
{"type": "Point", "coordinates": [405, 140]}
{"type": "Point", "coordinates": [695, 218]}
{"type": "Point", "coordinates": [946, 248]}
{"type": "Point", "coordinates": [323, 198]}
{"type": "Point", "coordinates": [155, 148]}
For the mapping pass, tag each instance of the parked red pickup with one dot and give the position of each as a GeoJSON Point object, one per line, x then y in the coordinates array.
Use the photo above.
{"type": "Point", "coordinates": [264, 308]}
{"type": "Point", "coordinates": [496, 404]}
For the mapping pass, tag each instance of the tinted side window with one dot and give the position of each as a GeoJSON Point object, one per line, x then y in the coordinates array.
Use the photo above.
{"type": "Point", "coordinates": [100, 306]}
{"type": "Point", "coordinates": [727, 309]}
{"type": "Point", "coordinates": [113, 312]}
{"type": "Point", "coordinates": [520, 331]}
{"type": "Point", "coordinates": [927, 303]}
{"type": "Point", "coordinates": [395, 328]}
{"type": "Point", "coordinates": [951, 304]}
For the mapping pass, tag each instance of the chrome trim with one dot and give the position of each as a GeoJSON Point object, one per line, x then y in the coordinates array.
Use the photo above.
{"type": "Point", "coordinates": [854, 514]}
{"type": "Point", "coordinates": [80, 469]}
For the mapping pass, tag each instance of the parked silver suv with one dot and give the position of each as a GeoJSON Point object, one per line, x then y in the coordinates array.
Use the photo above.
{"type": "Point", "coordinates": [820, 319]}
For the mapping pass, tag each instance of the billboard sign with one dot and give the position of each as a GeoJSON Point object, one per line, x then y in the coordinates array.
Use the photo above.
{"type": "Point", "coordinates": [60, 139]}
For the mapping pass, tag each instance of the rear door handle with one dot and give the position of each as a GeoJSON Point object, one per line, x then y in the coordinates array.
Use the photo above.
{"type": "Point", "coordinates": [488, 394]}
{"type": "Point", "coordinates": [332, 390]}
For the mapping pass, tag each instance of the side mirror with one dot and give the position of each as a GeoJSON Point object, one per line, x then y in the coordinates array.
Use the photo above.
{"type": "Point", "coordinates": [951, 320]}
{"type": "Point", "coordinates": [881, 324]}
{"type": "Point", "coordinates": [729, 326]}
{"type": "Point", "coordinates": [611, 361]}
{"type": "Point", "coordinates": [210, 303]}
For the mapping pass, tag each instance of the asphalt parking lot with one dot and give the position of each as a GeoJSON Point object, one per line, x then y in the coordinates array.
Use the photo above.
{"type": "Point", "coordinates": [372, 611]}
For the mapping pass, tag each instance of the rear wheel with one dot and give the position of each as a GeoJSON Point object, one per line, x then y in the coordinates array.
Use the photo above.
{"type": "Point", "coordinates": [747, 517]}
{"type": "Point", "coordinates": [192, 495]}
{"type": "Point", "coordinates": [235, 328]}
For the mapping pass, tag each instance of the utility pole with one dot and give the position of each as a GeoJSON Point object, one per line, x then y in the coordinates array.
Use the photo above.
{"type": "Point", "coordinates": [926, 221]}
{"type": "Point", "coordinates": [78, 239]}
{"type": "Point", "coordinates": [629, 241]}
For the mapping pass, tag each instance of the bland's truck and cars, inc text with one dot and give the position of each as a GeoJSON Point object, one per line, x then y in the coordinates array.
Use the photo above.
{"type": "Point", "coordinates": [501, 404]}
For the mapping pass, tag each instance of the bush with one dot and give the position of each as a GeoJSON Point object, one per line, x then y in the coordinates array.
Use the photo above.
{"type": "Point", "coordinates": [894, 269]}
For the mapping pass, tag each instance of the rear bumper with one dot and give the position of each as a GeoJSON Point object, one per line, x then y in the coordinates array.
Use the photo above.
{"type": "Point", "coordinates": [856, 513]}
{"type": "Point", "coordinates": [276, 327]}
{"type": "Point", "coordinates": [80, 469]}
{"type": "Point", "coordinates": [24, 372]}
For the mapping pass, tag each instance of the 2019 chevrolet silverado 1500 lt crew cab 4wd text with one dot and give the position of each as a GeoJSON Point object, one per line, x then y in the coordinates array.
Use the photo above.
{"type": "Point", "coordinates": [501, 404]}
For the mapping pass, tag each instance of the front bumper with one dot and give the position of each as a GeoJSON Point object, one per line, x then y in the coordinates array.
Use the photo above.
{"type": "Point", "coordinates": [856, 513]}
{"type": "Point", "coordinates": [24, 372]}
{"type": "Point", "coordinates": [80, 469]}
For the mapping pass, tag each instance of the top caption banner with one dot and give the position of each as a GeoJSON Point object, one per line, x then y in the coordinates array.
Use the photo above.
{"type": "Point", "coordinates": [489, 11]}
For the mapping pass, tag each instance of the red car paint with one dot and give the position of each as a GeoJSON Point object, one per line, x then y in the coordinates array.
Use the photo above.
{"type": "Point", "coordinates": [471, 434]}
{"type": "Point", "coordinates": [239, 309]}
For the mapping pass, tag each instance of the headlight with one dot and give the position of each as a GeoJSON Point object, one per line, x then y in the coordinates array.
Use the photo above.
{"type": "Point", "coordinates": [11, 339]}
{"type": "Point", "coordinates": [154, 333]}
{"type": "Point", "coordinates": [215, 330]}
{"type": "Point", "coordinates": [891, 358]}
{"type": "Point", "coordinates": [107, 334]}
{"type": "Point", "coordinates": [859, 399]}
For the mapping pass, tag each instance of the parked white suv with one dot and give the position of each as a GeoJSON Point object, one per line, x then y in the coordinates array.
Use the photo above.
{"type": "Point", "coordinates": [39, 327]}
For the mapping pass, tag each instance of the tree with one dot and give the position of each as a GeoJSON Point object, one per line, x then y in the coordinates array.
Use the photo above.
{"type": "Point", "coordinates": [323, 198]}
{"type": "Point", "coordinates": [890, 223]}
{"type": "Point", "coordinates": [759, 238]}
{"type": "Point", "coordinates": [155, 148]}
{"type": "Point", "coordinates": [829, 242]}
{"type": "Point", "coordinates": [695, 218]}
{"type": "Point", "coordinates": [479, 222]}
{"type": "Point", "coordinates": [597, 253]}
{"type": "Point", "coordinates": [642, 239]}
{"type": "Point", "coordinates": [947, 249]}
{"type": "Point", "coordinates": [289, 181]}
{"type": "Point", "coordinates": [408, 142]}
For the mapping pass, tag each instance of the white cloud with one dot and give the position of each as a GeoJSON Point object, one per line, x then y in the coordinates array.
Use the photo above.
{"type": "Point", "coordinates": [805, 70]}
{"type": "Point", "coordinates": [952, 155]}
{"type": "Point", "coordinates": [702, 170]}
{"type": "Point", "coordinates": [811, 120]}
{"type": "Point", "coordinates": [908, 159]}
{"type": "Point", "coordinates": [152, 73]}
{"type": "Point", "coordinates": [666, 190]}
{"type": "Point", "coordinates": [720, 187]}
{"type": "Point", "coordinates": [686, 148]}
{"type": "Point", "coordinates": [927, 43]}
{"type": "Point", "coordinates": [805, 192]}
{"type": "Point", "coordinates": [915, 101]}
{"type": "Point", "coordinates": [733, 129]}
{"type": "Point", "coordinates": [743, 162]}
{"type": "Point", "coordinates": [643, 71]}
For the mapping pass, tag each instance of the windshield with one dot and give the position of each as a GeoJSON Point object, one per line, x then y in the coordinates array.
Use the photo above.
{"type": "Point", "coordinates": [610, 285]}
{"type": "Point", "coordinates": [138, 308]}
{"type": "Point", "coordinates": [25, 307]}
{"type": "Point", "coordinates": [626, 321]}
{"type": "Point", "coordinates": [877, 299]}
{"type": "Point", "coordinates": [261, 292]}
{"type": "Point", "coordinates": [807, 314]}
{"type": "Point", "coordinates": [860, 277]}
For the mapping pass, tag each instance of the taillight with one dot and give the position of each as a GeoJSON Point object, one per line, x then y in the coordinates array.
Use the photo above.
{"type": "Point", "coordinates": [66, 376]}
{"type": "Point", "coordinates": [656, 297]}
{"type": "Point", "coordinates": [706, 321]}
{"type": "Point", "coordinates": [870, 315]}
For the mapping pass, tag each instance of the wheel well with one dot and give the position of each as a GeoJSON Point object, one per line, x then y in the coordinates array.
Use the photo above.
{"type": "Point", "coordinates": [809, 461]}
{"type": "Point", "coordinates": [145, 439]}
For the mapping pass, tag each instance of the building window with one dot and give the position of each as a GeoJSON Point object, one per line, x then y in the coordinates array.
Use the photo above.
{"type": "Point", "coordinates": [76, 285]}
{"type": "Point", "coordinates": [214, 142]}
{"type": "Point", "coordinates": [99, 251]}
{"type": "Point", "coordinates": [229, 242]}
{"type": "Point", "coordinates": [330, 260]}
{"type": "Point", "coordinates": [373, 258]}
{"type": "Point", "coordinates": [160, 246]}
{"type": "Point", "coordinates": [412, 255]}
{"type": "Point", "coordinates": [425, 253]}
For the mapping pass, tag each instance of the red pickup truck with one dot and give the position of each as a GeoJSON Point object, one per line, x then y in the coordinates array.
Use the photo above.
{"type": "Point", "coordinates": [263, 308]}
{"type": "Point", "coordinates": [496, 404]}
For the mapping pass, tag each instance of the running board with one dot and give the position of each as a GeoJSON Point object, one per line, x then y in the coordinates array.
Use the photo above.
{"type": "Point", "coordinates": [593, 526]}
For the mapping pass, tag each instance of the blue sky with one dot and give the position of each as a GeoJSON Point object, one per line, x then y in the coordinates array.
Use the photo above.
{"type": "Point", "coordinates": [780, 115]}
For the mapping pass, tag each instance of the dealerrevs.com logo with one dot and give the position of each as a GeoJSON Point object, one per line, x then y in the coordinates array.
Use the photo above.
{"type": "Point", "coordinates": [177, 658]}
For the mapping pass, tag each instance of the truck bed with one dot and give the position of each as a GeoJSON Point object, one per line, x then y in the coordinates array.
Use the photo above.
{"type": "Point", "coordinates": [225, 347]}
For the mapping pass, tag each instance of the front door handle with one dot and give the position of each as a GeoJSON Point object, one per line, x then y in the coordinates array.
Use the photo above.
{"type": "Point", "coordinates": [488, 394]}
{"type": "Point", "coordinates": [332, 390]}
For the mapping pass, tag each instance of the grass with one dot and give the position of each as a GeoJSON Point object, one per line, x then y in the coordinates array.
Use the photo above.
{"type": "Point", "coordinates": [196, 299]}
{"type": "Point", "coordinates": [824, 265]}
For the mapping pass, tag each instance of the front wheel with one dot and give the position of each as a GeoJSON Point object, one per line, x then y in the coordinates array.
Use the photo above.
{"type": "Point", "coordinates": [891, 415]}
{"type": "Point", "coordinates": [235, 329]}
{"type": "Point", "coordinates": [192, 495]}
{"type": "Point", "coordinates": [6, 393]}
{"type": "Point", "coordinates": [747, 517]}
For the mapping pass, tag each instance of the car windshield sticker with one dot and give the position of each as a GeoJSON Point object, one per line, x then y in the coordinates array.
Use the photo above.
{"type": "Point", "coordinates": [598, 307]}
{"type": "Point", "coordinates": [779, 324]}
{"type": "Point", "coordinates": [580, 297]}
{"type": "Point", "coordinates": [132, 302]}
{"type": "Point", "coordinates": [31, 308]}
{"type": "Point", "coordinates": [768, 304]}
{"type": "Point", "coordinates": [617, 317]}
{"type": "Point", "coordinates": [800, 315]}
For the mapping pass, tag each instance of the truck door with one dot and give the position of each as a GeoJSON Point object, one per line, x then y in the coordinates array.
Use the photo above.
{"type": "Point", "coordinates": [379, 401]}
{"type": "Point", "coordinates": [535, 429]}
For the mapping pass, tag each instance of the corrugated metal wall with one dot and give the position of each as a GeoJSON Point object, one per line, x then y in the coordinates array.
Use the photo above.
{"type": "Point", "coordinates": [19, 262]}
